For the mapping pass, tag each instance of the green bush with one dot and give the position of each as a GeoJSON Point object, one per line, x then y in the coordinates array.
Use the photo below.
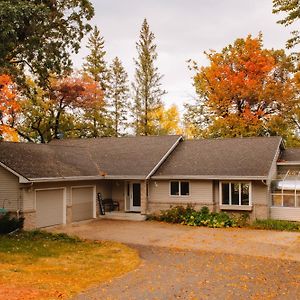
{"type": "Point", "coordinates": [189, 216]}
{"type": "Point", "coordinates": [176, 214]}
{"type": "Point", "coordinates": [276, 225]}
{"type": "Point", "coordinates": [9, 223]}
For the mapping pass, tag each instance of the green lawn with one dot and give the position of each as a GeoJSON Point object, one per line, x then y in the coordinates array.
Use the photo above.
{"type": "Point", "coordinates": [40, 265]}
{"type": "Point", "coordinates": [281, 225]}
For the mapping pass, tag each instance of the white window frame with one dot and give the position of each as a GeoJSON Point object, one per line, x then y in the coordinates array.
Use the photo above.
{"type": "Point", "coordinates": [230, 194]}
{"type": "Point", "coordinates": [179, 190]}
{"type": "Point", "coordinates": [286, 193]}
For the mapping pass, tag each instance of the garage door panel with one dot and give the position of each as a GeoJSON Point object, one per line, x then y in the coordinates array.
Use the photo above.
{"type": "Point", "coordinates": [49, 207]}
{"type": "Point", "coordinates": [82, 203]}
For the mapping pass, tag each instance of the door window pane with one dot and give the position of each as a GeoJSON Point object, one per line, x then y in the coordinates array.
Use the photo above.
{"type": "Point", "coordinates": [174, 188]}
{"type": "Point", "coordinates": [276, 200]}
{"type": "Point", "coordinates": [298, 201]}
{"type": "Point", "coordinates": [244, 193]}
{"type": "Point", "coordinates": [184, 188]}
{"type": "Point", "coordinates": [235, 193]}
{"type": "Point", "coordinates": [136, 194]}
{"type": "Point", "coordinates": [225, 193]}
{"type": "Point", "coordinates": [288, 200]}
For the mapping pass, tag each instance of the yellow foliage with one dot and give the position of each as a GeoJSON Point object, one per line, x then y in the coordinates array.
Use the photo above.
{"type": "Point", "coordinates": [66, 275]}
{"type": "Point", "coordinates": [165, 121]}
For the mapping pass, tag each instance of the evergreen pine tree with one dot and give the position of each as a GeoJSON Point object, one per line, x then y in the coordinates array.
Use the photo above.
{"type": "Point", "coordinates": [118, 95]}
{"type": "Point", "coordinates": [97, 119]}
{"type": "Point", "coordinates": [147, 84]}
{"type": "Point", "coordinates": [95, 65]}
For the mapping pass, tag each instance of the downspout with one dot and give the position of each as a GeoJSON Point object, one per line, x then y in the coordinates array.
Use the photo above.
{"type": "Point", "coordinates": [147, 196]}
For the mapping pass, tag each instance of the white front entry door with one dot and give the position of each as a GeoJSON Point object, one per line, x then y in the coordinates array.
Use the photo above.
{"type": "Point", "coordinates": [135, 196]}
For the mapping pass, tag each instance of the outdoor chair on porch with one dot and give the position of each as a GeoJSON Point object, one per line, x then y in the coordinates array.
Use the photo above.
{"type": "Point", "coordinates": [107, 204]}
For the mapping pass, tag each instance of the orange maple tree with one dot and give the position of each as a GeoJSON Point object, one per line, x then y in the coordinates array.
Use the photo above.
{"type": "Point", "coordinates": [8, 108]}
{"type": "Point", "coordinates": [246, 88]}
{"type": "Point", "coordinates": [71, 107]}
{"type": "Point", "coordinates": [82, 95]}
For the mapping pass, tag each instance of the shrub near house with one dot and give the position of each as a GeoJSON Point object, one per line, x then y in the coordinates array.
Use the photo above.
{"type": "Point", "coordinates": [189, 216]}
{"type": "Point", "coordinates": [9, 223]}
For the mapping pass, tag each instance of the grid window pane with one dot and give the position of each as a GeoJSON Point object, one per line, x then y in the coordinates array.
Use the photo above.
{"type": "Point", "coordinates": [245, 194]}
{"type": "Point", "coordinates": [225, 193]}
{"type": "Point", "coordinates": [175, 188]}
{"type": "Point", "coordinates": [276, 200]}
{"type": "Point", "coordinates": [184, 188]}
{"type": "Point", "coordinates": [288, 200]}
{"type": "Point", "coordinates": [235, 193]}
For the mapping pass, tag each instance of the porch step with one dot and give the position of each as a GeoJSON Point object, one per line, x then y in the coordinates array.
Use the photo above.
{"type": "Point", "coordinates": [115, 215]}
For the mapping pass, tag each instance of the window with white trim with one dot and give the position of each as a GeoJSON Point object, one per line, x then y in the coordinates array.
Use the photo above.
{"type": "Point", "coordinates": [286, 191]}
{"type": "Point", "coordinates": [179, 188]}
{"type": "Point", "coordinates": [286, 198]}
{"type": "Point", "coordinates": [235, 193]}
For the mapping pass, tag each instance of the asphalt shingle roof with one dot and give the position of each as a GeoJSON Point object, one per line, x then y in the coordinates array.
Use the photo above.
{"type": "Point", "coordinates": [126, 156]}
{"type": "Point", "coordinates": [232, 157]}
{"type": "Point", "coordinates": [290, 154]}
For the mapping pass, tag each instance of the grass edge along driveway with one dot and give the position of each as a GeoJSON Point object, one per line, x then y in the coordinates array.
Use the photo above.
{"type": "Point", "coordinates": [40, 265]}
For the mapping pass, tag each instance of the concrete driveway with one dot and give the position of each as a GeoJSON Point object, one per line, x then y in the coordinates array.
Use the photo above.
{"type": "Point", "coordinates": [180, 262]}
{"type": "Point", "coordinates": [263, 243]}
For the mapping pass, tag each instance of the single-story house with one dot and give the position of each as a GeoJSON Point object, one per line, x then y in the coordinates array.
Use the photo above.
{"type": "Point", "coordinates": [58, 183]}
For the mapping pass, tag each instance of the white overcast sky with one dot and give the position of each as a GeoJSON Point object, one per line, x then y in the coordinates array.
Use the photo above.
{"type": "Point", "coordinates": [183, 30]}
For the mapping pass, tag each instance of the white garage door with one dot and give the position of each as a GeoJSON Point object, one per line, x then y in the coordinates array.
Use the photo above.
{"type": "Point", "coordinates": [49, 207]}
{"type": "Point", "coordinates": [82, 203]}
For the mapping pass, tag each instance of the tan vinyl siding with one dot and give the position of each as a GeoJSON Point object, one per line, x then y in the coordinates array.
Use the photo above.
{"type": "Point", "coordinates": [216, 192]}
{"type": "Point", "coordinates": [259, 193]}
{"type": "Point", "coordinates": [28, 199]}
{"type": "Point", "coordinates": [201, 192]}
{"type": "Point", "coordinates": [285, 213]}
{"type": "Point", "coordinates": [9, 190]}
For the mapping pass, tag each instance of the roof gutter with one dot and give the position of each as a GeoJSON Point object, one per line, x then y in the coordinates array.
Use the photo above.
{"type": "Point", "coordinates": [208, 177]}
{"type": "Point", "coordinates": [164, 157]}
{"type": "Point", "coordinates": [288, 163]}
{"type": "Point", "coordinates": [22, 179]}
{"type": "Point", "coordinates": [76, 178]}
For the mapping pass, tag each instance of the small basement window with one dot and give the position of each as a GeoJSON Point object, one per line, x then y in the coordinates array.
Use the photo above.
{"type": "Point", "coordinates": [179, 188]}
{"type": "Point", "coordinates": [235, 193]}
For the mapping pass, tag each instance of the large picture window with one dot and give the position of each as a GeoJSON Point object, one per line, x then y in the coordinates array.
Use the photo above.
{"type": "Point", "coordinates": [179, 188]}
{"type": "Point", "coordinates": [286, 198]}
{"type": "Point", "coordinates": [235, 193]}
{"type": "Point", "coordinates": [286, 191]}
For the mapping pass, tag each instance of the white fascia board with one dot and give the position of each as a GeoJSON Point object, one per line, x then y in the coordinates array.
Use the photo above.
{"type": "Point", "coordinates": [164, 157]}
{"type": "Point", "coordinates": [22, 179]}
{"type": "Point", "coordinates": [288, 163]}
{"type": "Point", "coordinates": [275, 158]}
{"type": "Point", "coordinates": [80, 178]}
{"type": "Point", "coordinates": [208, 177]}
